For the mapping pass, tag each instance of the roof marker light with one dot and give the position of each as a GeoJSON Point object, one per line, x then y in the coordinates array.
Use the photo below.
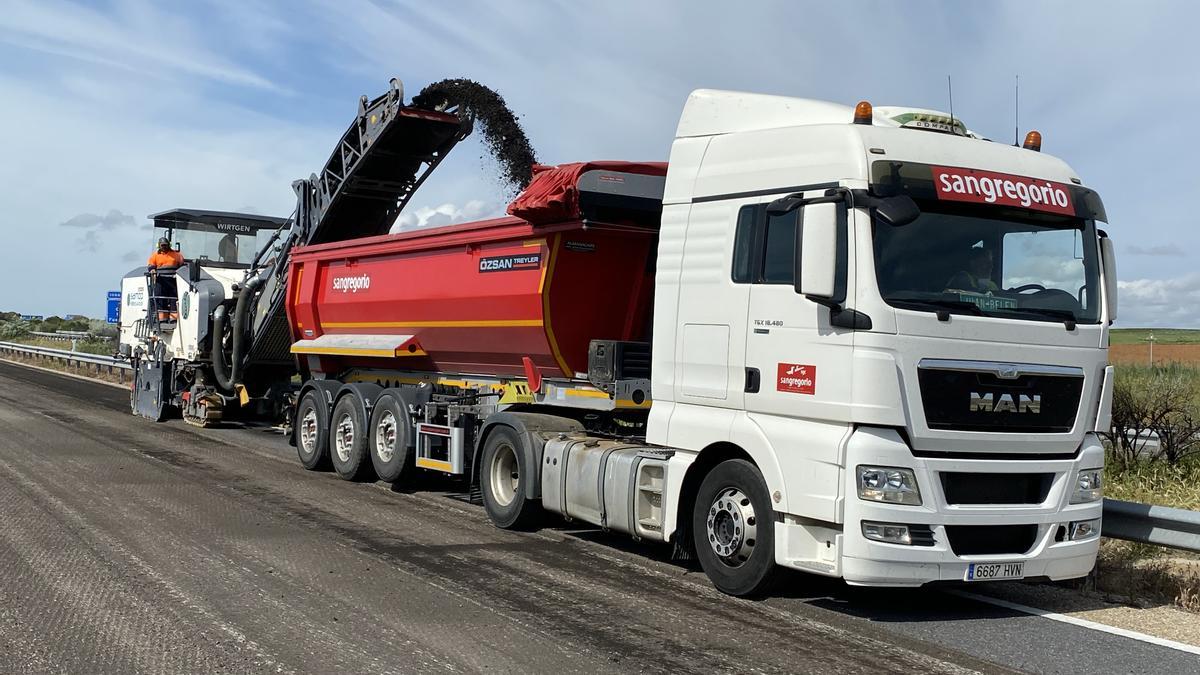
{"type": "Point", "coordinates": [863, 113]}
{"type": "Point", "coordinates": [1033, 141]}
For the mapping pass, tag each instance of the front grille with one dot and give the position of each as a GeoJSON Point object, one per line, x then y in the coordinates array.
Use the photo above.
{"type": "Point", "coordinates": [977, 400]}
{"type": "Point", "coordinates": [921, 535]}
{"type": "Point", "coordinates": [996, 488]}
{"type": "Point", "coordinates": [990, 539]}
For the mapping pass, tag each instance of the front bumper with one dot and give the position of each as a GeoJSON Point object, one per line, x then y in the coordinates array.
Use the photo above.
{"type": "Point", "coordinates": [1052, 553]}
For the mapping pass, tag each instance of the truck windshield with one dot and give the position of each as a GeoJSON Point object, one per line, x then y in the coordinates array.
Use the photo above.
{"type": "Point", "coordinates": [219, 249]}
{"type": "Point", "coordinates": [1014, 265]}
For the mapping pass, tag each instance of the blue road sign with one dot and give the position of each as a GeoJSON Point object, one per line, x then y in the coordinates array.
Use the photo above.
{"type": "Point", "coordinates": [114, 306]}
{"type": "Point", "coordinates": [32, 317]}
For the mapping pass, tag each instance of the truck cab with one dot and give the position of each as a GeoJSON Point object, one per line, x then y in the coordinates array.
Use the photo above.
{"type": "Point", "coordinates": [901, 325]}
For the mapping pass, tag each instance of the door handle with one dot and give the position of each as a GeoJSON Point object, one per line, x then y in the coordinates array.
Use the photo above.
{"type": "Point", "coordinates": [753, 380]}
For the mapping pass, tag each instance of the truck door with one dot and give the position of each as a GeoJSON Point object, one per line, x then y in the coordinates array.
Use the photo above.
{"type": "Point", "coordinates": [712, 311]}
{"type": "Point", "coordinates": [797, 364]}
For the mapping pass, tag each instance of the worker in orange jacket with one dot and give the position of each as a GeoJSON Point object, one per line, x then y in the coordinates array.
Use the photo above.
{"type": "Point", "coordinates": [164, 285]}
{"type": "Point", "coordinates": [165, 256]}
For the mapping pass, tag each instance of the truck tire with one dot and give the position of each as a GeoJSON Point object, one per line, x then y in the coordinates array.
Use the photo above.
{"type": "Point", "coordinates": [734, 529]}
{"type": "Point", "coordinates": [348, 439]}
{"type": "Point", "coordinates": [387, 438]}
{"type": "Point", "coordinates": [312, 431]}
{"type": "Point", "coordinates": [503, 481]}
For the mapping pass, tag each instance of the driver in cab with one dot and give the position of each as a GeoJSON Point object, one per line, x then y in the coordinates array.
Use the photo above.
{"type": "Point", "coordinates": [977, 277]}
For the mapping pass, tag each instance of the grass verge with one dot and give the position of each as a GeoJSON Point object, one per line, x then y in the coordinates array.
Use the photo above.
{"type": "Point", "coordinates": [1142, 574]}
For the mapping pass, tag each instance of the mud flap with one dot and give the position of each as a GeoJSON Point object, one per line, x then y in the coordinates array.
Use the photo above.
{"type": "Point", "coordinates": [149, 391]}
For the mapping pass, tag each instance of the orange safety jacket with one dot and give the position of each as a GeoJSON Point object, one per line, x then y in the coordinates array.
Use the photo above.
{"type": "Point", "coordinates": [168, 259]}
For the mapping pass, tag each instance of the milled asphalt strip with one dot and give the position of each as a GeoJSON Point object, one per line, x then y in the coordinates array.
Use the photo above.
{"type": "Point", "coordinates": [1076, 621]}
{"type": "Point", "coordinates": [64, 373]}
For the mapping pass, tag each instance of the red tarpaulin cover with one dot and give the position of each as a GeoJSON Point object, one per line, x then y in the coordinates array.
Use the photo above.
{"type": "Point", "coordinates": [552, 195]}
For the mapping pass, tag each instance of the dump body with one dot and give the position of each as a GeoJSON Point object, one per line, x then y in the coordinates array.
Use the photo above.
{"type": "Point", "coordinates": [477, 298]}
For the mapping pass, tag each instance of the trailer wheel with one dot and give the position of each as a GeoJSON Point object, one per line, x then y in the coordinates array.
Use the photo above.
{"type": "Point", "coordinates": [348, 438]}
{"type": "Point", "coordinates": [312, 435]}
{"type": "Point", "coordinates": [503, 480]}
{"type": "Point", "coordinates": [388, 438]}
{"type": "Point", "coordinates": [734, 529]}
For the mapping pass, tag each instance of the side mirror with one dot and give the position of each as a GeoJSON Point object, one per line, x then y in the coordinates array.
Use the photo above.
{"type": "Point", "coordinates": [817, 257]}
{"type": "Point", "coordinates": [1108, 256]}
{"type": "Point", "coordinates": [897, 211]}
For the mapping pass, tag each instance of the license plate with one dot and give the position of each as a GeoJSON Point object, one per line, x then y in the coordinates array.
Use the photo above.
{"type": "Point", "coordinates": [995, 571]}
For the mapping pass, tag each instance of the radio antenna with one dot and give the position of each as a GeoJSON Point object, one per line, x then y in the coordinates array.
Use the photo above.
{"type": "Point", "coordinates": [950, 91]}
{"type": "Point", "coordinates": [1017, 112]}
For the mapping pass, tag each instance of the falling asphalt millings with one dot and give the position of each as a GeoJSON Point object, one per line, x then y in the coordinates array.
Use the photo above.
{"type": "Point", "coordinates": [502, 133]}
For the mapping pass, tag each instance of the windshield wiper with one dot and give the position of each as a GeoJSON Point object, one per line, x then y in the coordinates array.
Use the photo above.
{"type": "Point", "coordinates": [1064, 315]}
{"type": "Point", "coordinates": [937, 304]}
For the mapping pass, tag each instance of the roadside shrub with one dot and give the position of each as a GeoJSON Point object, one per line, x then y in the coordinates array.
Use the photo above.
{"type": "Point", "coordinates": [13, 330]}
{"type": "Point", "coordinates": [1156, 415]}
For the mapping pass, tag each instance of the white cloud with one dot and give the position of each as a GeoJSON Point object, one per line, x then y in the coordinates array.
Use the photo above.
{"type": "Point", "coordinates": [1160, 302]}
{"type": "Point", "coordinates": [1160, 250]}
{"type": "Point", "coordinates": [445, 214]}
{"type": "Point", "coordinates": [138, 37]}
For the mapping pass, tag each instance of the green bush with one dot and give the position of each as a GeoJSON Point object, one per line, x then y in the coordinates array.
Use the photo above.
{"type": "Point", "coordinates": [13, 330]}
{"type": "Point", "coordinates": [1161, 401]}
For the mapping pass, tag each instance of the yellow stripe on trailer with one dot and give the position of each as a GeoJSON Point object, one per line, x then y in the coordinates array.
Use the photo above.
{"type": "Point", "coordinates": [438, 465]}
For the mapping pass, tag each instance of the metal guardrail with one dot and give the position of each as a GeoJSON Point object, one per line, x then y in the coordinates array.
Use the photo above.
{"type": "Point", "coordinates": [1149, 524]}
{"type": "Point", "coordinates": [1132, 521]}
{"type": "Point", "coordinates": [69, 335]}
{"type": "Point", "coordinates": [98, 362]}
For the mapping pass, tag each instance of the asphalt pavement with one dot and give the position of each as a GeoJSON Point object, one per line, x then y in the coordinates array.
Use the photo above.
{"type": "Point", "coordinates": [129, 546]}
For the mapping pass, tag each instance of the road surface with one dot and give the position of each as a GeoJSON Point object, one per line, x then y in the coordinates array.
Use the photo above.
{"type": "Point", "coordinates": [129, 546]}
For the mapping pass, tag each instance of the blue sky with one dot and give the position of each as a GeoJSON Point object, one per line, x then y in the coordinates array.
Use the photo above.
{"type": "Point", "coordinates": [114, 110]}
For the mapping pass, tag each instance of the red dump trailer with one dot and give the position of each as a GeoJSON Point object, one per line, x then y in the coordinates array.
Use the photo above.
{"type": "Point", "coordinates": [414, 347]}
{"type": "Point", "coordinates": [512, 297]}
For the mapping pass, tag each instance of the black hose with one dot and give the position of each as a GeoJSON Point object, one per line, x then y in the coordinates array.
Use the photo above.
{"type": "Point", "coordinates": [227, 381]}
{"type": "Point", "coordinates": [218, 349]}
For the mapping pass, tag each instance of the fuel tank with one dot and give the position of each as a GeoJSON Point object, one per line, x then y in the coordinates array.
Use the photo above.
{"type": "Point", "coordinates": [497, 297]}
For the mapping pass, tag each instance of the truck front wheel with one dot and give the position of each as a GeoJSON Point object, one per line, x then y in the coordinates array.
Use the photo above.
{"type": "Point", "coordinates": [504, 478]}
{"type": "Point", "coordinates": [734, 529]}
{"type": "Point", "coordinates": [312, 434]}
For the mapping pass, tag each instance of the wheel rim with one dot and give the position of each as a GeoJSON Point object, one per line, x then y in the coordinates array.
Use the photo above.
{"type": "Point", "coordinates": [732, 527]}
{"type": "Point", "coordinates": [308, 431]}
{"type": "Point", "coordinates": [343, 436]}
{"type": "Point", "coordinates": [505, 476]}
{"type": "Point", "coordinates": [385, 437]}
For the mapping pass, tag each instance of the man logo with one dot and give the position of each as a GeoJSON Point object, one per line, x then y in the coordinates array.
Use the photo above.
{"type": "Point", "coordinates": [989, 403]}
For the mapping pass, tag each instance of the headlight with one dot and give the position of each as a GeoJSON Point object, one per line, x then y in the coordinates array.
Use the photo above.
{"type": "Point", "coordinates": [888, 484]}
{"type": "Point", "coordinates": [1089, 486]}
{"type": "Point", "coordinates": [1082, 530]}
{"type": "Point", "coordinates": [892, 533]}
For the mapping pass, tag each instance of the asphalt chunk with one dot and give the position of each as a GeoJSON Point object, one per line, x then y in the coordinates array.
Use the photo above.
{"type": "Point", "coordinates": [502, 133]}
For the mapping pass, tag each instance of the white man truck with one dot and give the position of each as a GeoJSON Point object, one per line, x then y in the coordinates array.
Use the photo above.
{"type": "Point", "coordinates": [857, 342]}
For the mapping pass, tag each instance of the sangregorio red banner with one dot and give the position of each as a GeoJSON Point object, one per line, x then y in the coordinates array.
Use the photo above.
{"type": "Point", "coordinates": [988, 187]}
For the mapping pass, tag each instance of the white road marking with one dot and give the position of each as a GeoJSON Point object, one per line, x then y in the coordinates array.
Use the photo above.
{"type": "Point", "coordinates": [1076, 621]}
